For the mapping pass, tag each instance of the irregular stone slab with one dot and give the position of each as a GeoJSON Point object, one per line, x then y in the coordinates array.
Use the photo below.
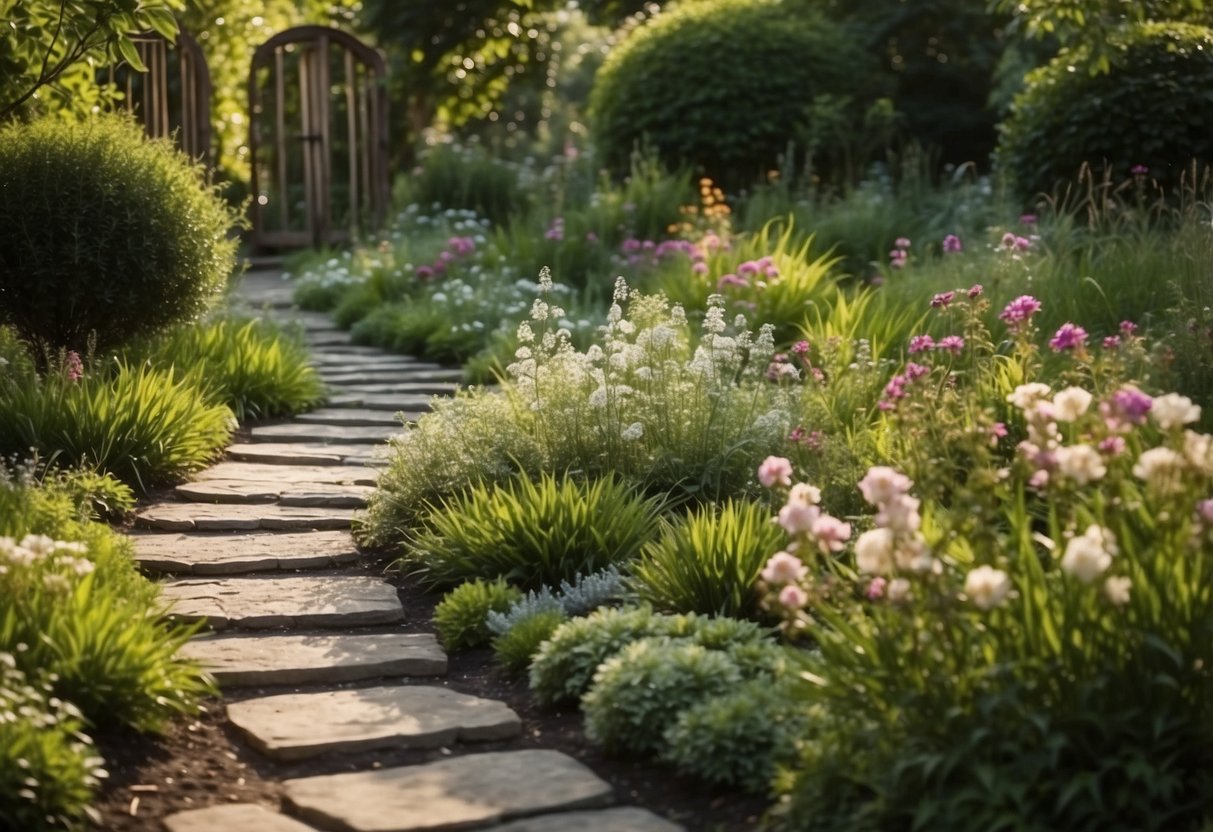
{"type": "Point", "coordinates": [474, 790]}
{"type": "Point", "coordinates": [367, 357]}
{"type": "Point", "coordinates": [290, 453]}
{"type": "Point", "coordinates": [621, 819]}
{"type": "Point", "coordinates": [234, 817]}
{"type": "Point", "coordinates": [335, 434]}
{"type": "Point", "coordinates": [354, 417]}
{"type": "Point", "coordinates": [431, 388]}
{"type": "Point", "coordinates": [348, 349]}
{"type": "Point", "coordinates": [295, 601]}
{"type": "Point", "coordinates": [232, 554]}
{"type": "Point", "coordinates": [370, 375]}
{"type": "Point", "coordinates": [341, 364]}
{"type": "Point", "coordinates": [327, 339]}
{"type": "Point", "coordinates": [307, 495]}
{"type": "Point", "coordinates": [313, 321]}
{"type": "Point", "coordinates": [298, 726]}
{"type": "Point", "coordinates": [266, 289]}
{"type": "Point", "coordinates": [203, 517]}
{"type": "Point", "coordinates": [290, 474]}
{"type": "Point", "coordinates": [395, 402]}
{"type": "Point", "coordinates": [257, 660]}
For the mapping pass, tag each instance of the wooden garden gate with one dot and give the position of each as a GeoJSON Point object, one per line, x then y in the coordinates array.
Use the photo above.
{"type": "Point", "coordinates": [317, 138]}
{"type": "Point", "coordinates": [173, 98]}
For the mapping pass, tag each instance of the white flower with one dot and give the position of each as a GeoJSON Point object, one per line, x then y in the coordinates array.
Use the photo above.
{"type": "Point", "coordinates": [900, 514]}
{"type": "Point", "coordinates": [784, 568]}
{"type": "Point", "coordinates": [1116, 589]}
{"type": "Point", "coordinates": [987, 587]}
{"type": "Point", "coordinates": [38, 544]}
{"type": "Point", "coordinates": [1160, 468]}
{"type": "Point", "coordinates": [882, 484]}
{"type": "Point", "coordinates": [1089, 555]}
{"type": "Point", "coordinates": [798, 518]}
{"type": "Point", "coordinates": [632, 432]}
{"type": "Point", "coordinates": [802, 492]}
{"type": "Point", "coordinates": [1027, 395]}
{"type": "Point", "coordinates": [1080, 463]}
{"type": "Point", "coordinates": [598, 399]}
{"type": "Point", "coordinates": [898, 591]}
{"type": "Point", "coordinates": [1071, 403]}
{"type": "Point", "coordinates": [874, 551]}
{"type": "Point", "coordinates": [1173, 410]}
{"type": "Point", "coordinates": [1198, 448]}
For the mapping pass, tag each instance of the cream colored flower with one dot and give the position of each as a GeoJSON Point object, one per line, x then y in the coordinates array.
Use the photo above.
{"type": "Point", "coordinates": [1173, 411]}
{"type": "Point", "coordinates": [1198, 449]}
{"type": "Point", "coordinates": [804, 493]}
{"type": "Point", "coordinates": [874, 552]}
{"type": "Point", "coordinates": [1026, 396]}
{"type": "Point", "coordinates": [1080, 463]}
{"type": "Point", "coordinates": [1116, 589]}
{"type": "Point", "coordinates": [1089, 555]}
{"type": "Point", "coordinates": [1161, 468]}
{"type": "Point", "coordinates": [1071, 403]}
{"type": "Point", "coordinates": [898, 591]}
{"type": "Point", "coordinates": [784, 568]}
{"type": "Point", "coordinates": [987, 587]}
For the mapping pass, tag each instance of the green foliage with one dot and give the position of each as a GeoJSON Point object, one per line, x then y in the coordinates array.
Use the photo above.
{"type": "Point", "coordinates": [788, 67]}
{"type": "Point", "coordinates": [641, 691]}
{"type": "Point", "coordinates": [48, 768]}
{"type": "Point", "coordinates": [462, 615]}
{"type": "Point", "coordinates": [517, 646]}
{"type": "Point", "coordinates": [1148, 108]}
{"type": "Point", "coordinates": [104, 234]}
{"type": "Point", "coordinates": [737, 739]}
{"type": "Point", "coordinates": [253, 367]}
{"type": "Point", "coordinates": [532, 533]}
{"type": "Point", "coordinates": [50, 49]}
{"type": "Point", "coordinates": [466, 176]}
{"type": "Point", "coordinates": [708, 562]}
{"type": "Point", "coordinates": [564, 666]}
{"type": "Point", "coordinates": [142, 425]}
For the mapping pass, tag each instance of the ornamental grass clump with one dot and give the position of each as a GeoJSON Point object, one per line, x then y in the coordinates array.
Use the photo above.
{"type": "Point", "coordinates": [1022, 635]}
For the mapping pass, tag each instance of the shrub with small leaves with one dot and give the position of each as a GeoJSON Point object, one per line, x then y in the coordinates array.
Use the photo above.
{"type": "Point", "coordinates": [738, 738]}
{"type": "Point", "coordinates": [640, 691]}
{"type": "Point", "coordinates": [48, 769]}
{"type": "Point", "coordinates": [532, 533]}
{"type": "Point", "coordinates": [518, 645]}
{"type": "Point", "coordinates": [462, 615]}
{"type": "Point", "coordinates": [104, 233]}
{"type": "Point", "coordinates": [585, 594]}
{"type": "Point", "coordinates": [709, 561]}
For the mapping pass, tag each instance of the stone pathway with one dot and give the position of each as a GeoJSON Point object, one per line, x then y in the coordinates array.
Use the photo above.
{"type": "Point", "coordinates": [259, 546]}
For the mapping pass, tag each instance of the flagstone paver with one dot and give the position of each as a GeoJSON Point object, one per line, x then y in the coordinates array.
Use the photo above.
{"type": "Point", "coordinates": [217, 553]}
{"type": "Point", "coordinates": [353, 417]}
{"type": "Point", "coordinates": [288, 601]}
{"type": "Point", "coordinates": [338, 435]}
{"type": "Point", "coordinates": [250, 660]}
{"type": "Point", "coordinates": [382, 401]}
{"type": "Point", "coordinates": [327, 339]}
{"type": "Point", "coordinates": [307, 495]}
{"type": "Point", "coordinates": [474, 790]}
{"type": "Point", "coordinates": [304, 453]}
{"type": "Point", "coordinates": [365, 375]}
{"type": "Point", "coordinates": [203, 517]}
{"type": "Point", "coordinates": [235, 817]}
{"type": "Point", "coordinates": [290, 475]}
{"type": "Point", "coordinates": [297, 726]}
{"type": "Point", "coordinates": [403, 388]}
{"type": "Point", "coordinates": [323, 359]}
{"type": "Point", "coordinates": [619, 819]}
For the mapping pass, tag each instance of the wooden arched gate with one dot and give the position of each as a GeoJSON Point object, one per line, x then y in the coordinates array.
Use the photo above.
{"type": "Point", "coordinates": [317, 138]}
{"type": "Point", "coordinates": [173, 98]}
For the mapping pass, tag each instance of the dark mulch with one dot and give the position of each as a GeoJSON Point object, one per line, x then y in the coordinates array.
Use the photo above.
{"type": "Point", "coordinates": [201, 761]}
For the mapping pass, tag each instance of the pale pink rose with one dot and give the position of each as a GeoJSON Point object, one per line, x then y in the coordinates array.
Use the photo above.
{"type": "Point", "coordinates": [798, 518]}
{"type": "Point", "coordinates": [793, 597]}
{"type": "Point", "coordinates": [831, 533]}
{"type": "Point", "coordinates": [783, 568]}
{"type": "Point", "coordinates": [775, 470]}
{"type": "Point", "coordinates": [881, 484]}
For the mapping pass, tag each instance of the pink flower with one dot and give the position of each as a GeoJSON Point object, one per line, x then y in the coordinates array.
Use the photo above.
{"type": "Point", "coordinates": [1127, 328]}
{"type": "Point", "coordinates": [1019, 311]}
{"type": "Point", "coordinates": [1027, 219]}
{"type": "Point", "coordinates": [1112, 342]}
{"type": "Point", "coordinates": [831, 533]}
{"type": "Point", "coordinates": [800, 348]}
{"type": "Point", "coordinates": [730, 280]}
{"type": "Point", "coordinates": [882, 484]}
{"type": "Point", "coordinates": [424, 272]}
{"type": "Point", "coordinates": [1127, 406]}
{"type": "Point", "coordinates": [916, 371]}
{"type": "Point", "coordinates": [591, 237]}
{"type": "Point", "coordinates": [699, 268]}
{"type": "Point", "coordinates": [1112, 446]}
{"type": "Point", "coordinates": [775, 470]}
{"type": "Point", "coordinates": [875, 590]}
{"type": "Point", "coordinates": [1139, 170]}
{"type": "Point", "coordinates": [951, 343]}
{"type": "Point", "coordinates": [952, 244]}
{"type": "Point", "coordinates": [748, 268]}
{"type": "Point", "coordinates": [897, 258]}
{"type": "Point", "coordinates": [975, 291]}
{"type": "Point", "coordinates": [783, 568]}
{"type": "Point", "coordinates": [902, 242]}
{"type": "Point", "coordinates": [798, 517]}
{"type": "Point", "coordinates": [996, 431]}
{"type": "Point", "coordinates": [1204, 511]}
{"type": "Point", "coordinates": [1069, 337]}
{"type": "Point", "coordinates": [793, 597]}
{"type": "Point", "coordinates": [73, 366]}
{"type": "Point", "coordinates": [921, 343]}
{"type": "Point", "coordinates": [942, 300]}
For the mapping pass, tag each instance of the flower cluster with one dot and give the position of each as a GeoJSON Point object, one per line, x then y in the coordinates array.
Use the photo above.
{"type": "Point", "coordinates": [53, 563]}
{"type": "Point", "coordinates": [457, 248]}
{"type": "Point", "coordinates": [899, 255]}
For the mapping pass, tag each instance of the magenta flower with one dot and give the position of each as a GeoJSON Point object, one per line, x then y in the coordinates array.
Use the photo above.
{"type": "Point", "coordinates": [748, 268]}
{"type": "Point", "coordinates": [1069, 337]}
{"type": "Point", "coordinates": [952, 244]}
{"type": "Point", "coordinates": [1139, 170]}
{"type": "Point", "coordinates": [951, 343]}
{"type": "Point", "coordinates": [630, 245]}
{"type": "Point", "coordinates": [73, 366]}
{"type": "Point", "coordinates": [1127, 328]}
{"type": "Point", "coordinates": [424, 272]}
{"type": "Point", "coordinates": [555, 230]}
{"type": "Point", "coordinates": [921, 343]}
{"type": "Point", "coordinates": [1111, 342]}
{"type": "Point", "coordinates": [876, 588]}
{"type": "Point", "coordinates": [1127, 406]}
{"type": "Point", "coordinates": [699, 268]}
{"type": "Point", "coordinates": [975, 291]}
{"type": "Point", "coordinates": [1112, 446]}
{"type": "Point", "coordinates": [942, 300]}
{"type": "Point", "coordinates": [730, 280]}
{"type": "Point", "coordinates": [1027, 219]}
{"type": "Point", "coordinates": [1019, 311]}
{"type": "Point", "coordinates": [916, 371]}
{"type": "Point", "coordinates": [800, 348]}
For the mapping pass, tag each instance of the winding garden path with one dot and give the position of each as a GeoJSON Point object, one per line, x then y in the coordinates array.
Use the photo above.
{"type": "Point", "coordinates": [259, 546]}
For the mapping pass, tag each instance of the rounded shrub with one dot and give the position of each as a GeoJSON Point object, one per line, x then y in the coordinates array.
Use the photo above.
{"type": "Point", "coordinates": [1151, 109]}
{"type": "Point", "coordinates": [724, 85]}
{"type": "Point", "coordinates": [104, 233]}
{"type": "Point", "coordinates": [640, 692]}
{"type": "Point", "coordinates": [462, 615]}
{"type": "Point", "coordinates": [518, 645]}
